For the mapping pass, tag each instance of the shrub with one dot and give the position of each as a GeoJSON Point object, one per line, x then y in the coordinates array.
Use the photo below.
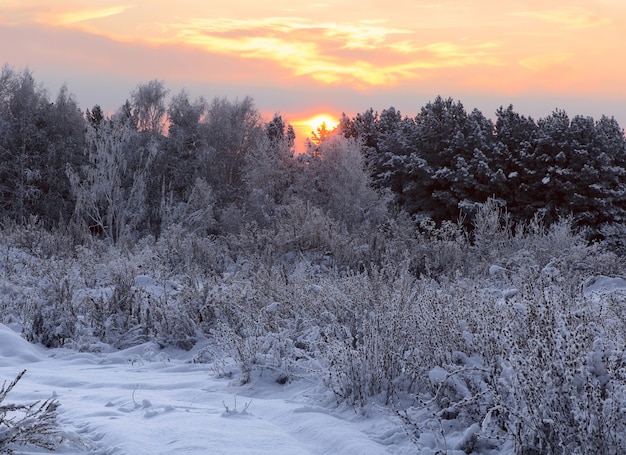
{"type": "Point", "coordinates": [561, 386]}
{"type": "Point", "coordinates": [373, 336]}
{"type": "Point", "coordinates": [256, 322]}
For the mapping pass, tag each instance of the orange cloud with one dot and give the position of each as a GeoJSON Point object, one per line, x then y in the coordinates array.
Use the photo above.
{"type": "Point", "coordinates": [81, 15]}
{"type": "Point", "coordinates": [571, 17]}
{"type": "Point", "coordinates": [321, 50]}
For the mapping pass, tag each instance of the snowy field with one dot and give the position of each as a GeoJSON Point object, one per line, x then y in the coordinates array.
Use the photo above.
{"type": "Point", "coordinates": [520, 349]}
{"type": "Point", "coordinates": [143, 401]}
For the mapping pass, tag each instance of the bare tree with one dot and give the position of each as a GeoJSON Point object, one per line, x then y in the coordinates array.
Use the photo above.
{"type": "Point", "coordinates": [335, 177]}
{"type": "Point", "coordinates": [231, 129]}
{"type": "Point", "coordinates": [148, 101]}
{"type": "Point", "coordinates": [110, 190]}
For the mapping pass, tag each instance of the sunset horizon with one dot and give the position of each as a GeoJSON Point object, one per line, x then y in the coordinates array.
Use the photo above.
{"type": "Point", "coordinates": [309, 59]}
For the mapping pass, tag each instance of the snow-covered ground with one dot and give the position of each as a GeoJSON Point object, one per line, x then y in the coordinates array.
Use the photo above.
{"type": "Point", "coordinates": [145, 401]}
{"type": "Point", "coordinates": [417, 358]}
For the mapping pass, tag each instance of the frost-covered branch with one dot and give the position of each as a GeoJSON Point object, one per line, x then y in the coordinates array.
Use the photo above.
{"type": "Point", "coordinates": [32, 424]}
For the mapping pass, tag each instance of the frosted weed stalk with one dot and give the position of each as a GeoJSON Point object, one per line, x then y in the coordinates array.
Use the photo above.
{"type": "Point", "coordinates": [33, 424]}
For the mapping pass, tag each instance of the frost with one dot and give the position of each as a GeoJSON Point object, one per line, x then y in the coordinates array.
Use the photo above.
{"type": "Point", "coordinates": [496, 270]}
{"type": "Point", "coordinates": [510, 293]}
{"type": "Point", "coordinates": [470, 344]}
{"type": "Point", "coordinates": [605, 285]}
{"type": "Point", "coordinates": [550, 271]}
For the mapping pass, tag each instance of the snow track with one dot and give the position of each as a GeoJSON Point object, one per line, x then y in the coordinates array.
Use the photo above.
{"type": "Point", "coordinates": [121, 403]}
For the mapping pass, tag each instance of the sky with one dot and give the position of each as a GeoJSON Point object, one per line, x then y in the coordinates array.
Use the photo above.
{"type": "Point", "coordinates": [302, 59]}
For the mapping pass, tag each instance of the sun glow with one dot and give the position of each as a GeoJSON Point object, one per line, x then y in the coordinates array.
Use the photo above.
{"type": "Point", "coordinates": [305, 128]}
{"type": "Point", "coordinates": [316, 122]}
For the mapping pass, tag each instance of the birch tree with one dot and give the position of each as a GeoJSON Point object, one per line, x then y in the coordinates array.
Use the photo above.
{"type": "Point", "coordinates": [110, 190]}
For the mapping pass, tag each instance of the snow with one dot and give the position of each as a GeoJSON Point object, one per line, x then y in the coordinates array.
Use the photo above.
{"type": "Point", "coordinates": [151, 399]}
{"type": "Point", "coordinates": [605, 285]}
{"type": "Point", "coordinates": [14, 350]}
{"type": "Point", "coordinates": [496, 270]}
{"type": "Point", "coordinates": [134, 402]}
{"type": "Point", "coordinates": [550, 271]}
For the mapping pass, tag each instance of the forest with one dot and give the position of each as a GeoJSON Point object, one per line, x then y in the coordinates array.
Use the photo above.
{"type": "Point", "coordinates": [131, 174]}
{"type": "Point", "coordinates": [452, 269]}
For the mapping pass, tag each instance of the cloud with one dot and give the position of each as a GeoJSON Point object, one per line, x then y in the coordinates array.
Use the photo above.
{"type": "Point", "coordinates": [361, 53]}
{"type": "Point", "coordinates": [57, 14]}
{"type": "Point", "coordinates": [574, 18]}
{"type": "Point", "coordinates": [81, 15]}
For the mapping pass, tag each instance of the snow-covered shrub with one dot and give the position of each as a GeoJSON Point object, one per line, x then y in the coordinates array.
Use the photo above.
{"type": "Point", "coordinates": [183, 252]}
{"type": "Point", "coordinates": [521, 355]}
{"type": "Point", "coordinates": [561, 377]}
{"type": "Point", "coordinates": [543, 381]}
{"type": "Point", "coordinates": [143, 309]}
{"type": "Point", "coordinates": [256, 322]}
{"type": "Point", "coordinates": [303, 226]}
{"type": "Point", "coordinates": [396, 241]}
{"type": "Point", "coordinates": [492, 231]}
{"type": "Point", "coordinates": [158, 315]}
{"type": "Point", "coordinates": [33, 424]}
{"type": "Point", "coordinates": [300, 228]}
{"type": "Point", "coordinates": [51, 318]}
{"type": "Point", "coordinates": [369, 322]}
{"type": "Point", "coordinates": [614, 237]}
{"type": "Point", "coordinates": [196, 215]}
{"type": "Point", "coordinates": [443, 250]}
{"type": "Point", "coordinates": [386, 330]}
{"type": "Point", "coordinates": [42, 242]}
{"type": "Point", "coordinates": [545, 371]}
{"type": "Point", "coordinates": [122, 310]}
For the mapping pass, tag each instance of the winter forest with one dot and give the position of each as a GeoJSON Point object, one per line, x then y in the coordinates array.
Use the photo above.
{"type": "Point", "coordinates": [458, 274]}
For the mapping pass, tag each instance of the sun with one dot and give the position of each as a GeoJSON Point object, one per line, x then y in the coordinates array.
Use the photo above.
{"type": "Point", "coordinates": [317, 121]}
{"type": "Point", "coordinates": [305, 126]}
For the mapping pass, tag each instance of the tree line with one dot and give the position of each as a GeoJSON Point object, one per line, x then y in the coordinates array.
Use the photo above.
{"type": "Point", "coordinates": [445, 161]}
{"type": "Point", "coordinates": [217, 167]}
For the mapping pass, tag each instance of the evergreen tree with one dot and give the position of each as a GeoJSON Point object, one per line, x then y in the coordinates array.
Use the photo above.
{"type": "Point", "coordinates": [65, 133]}
{"type": "Point", "coordinates": [183, 154]}
{"type": "Point", "coordinates": [95, 116]}
{"type": "Point", "coordinates": [515, 136]}
{"type": "Point", "coordinates": [451, 164]}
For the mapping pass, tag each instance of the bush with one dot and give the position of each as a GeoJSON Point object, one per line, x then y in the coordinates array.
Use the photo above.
{"type": "Point", "coordinates": [543, 366]}
{"type": "Point", "coordinates": [373, 336]}
{"type": "Point", "coordinates": [560, 386]}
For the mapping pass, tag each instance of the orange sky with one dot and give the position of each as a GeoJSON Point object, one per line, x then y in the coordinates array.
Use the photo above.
{"type": "Point", "coordinates": [303, 58]}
